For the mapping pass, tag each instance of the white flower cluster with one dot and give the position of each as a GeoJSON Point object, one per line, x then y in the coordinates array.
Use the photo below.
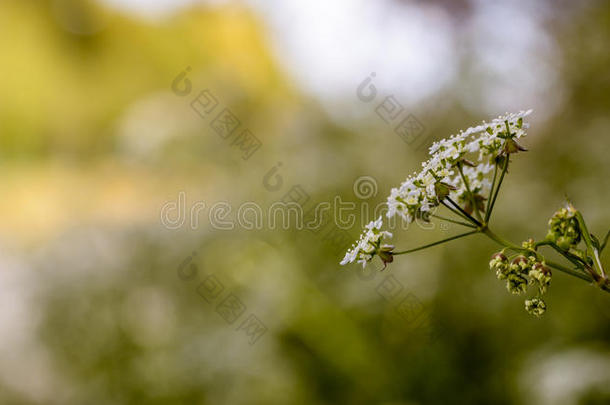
{"type": "Point", "coordinates": [438, 177]}
{"type": "Point", "coordinates": [368, 245]}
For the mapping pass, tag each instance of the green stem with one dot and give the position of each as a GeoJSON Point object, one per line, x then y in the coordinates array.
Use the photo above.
{"type": "Point", "coordinates": [493, 201]}
{"type": "Point", "coordinates": [605, 241]}
{"type": "Point", "coordinates": [435, 243]}
{"type": "Point", "coordinates": [591, 251]}
{"type": "Point", "coordinates": [467, 215]}
{"type": "Point", "coordinates": [501, 241]}
{"type": "Point", "coordinates": [452, 221]}
{"type": "Point", "coordinates": [569, 271]}
{"type": "Point", "coordinates": [578, 262]}
{"type": "Point", "coordinates": [575, 260]}
{"type": "Point", "coordinates": [456, 212]}
{"type": "Point", "coordinates": [599, 263]}
{"type": "Point", "coordinates": [472, 199]}
{"type": "Point", "coordinates": [604, 284]}
{"type": "Point", "coordinates": [491, 190]}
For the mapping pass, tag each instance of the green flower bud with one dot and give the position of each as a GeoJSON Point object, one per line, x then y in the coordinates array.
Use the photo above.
{"type": "Point", "coordinates": [520, 265]}
{"type": "Point", "coordinates": [386, 255]}
{"type": "Point", "coordinates": [564, 229]}
{"type": "Point", "coordinates": [564, 242]}
{"type": "Point", "coordinates": [512, 146]}
{"type": "Point", "coordinates": [499, 264]}
{"type": "Point", "coordinates": [528, 244]}
{"type": "Point", "coordinates": [541, 275]}
{"type": "Point", "coordinates": [443, 189]}
{"type": "Point", "coordinates": [535, 306]}
{"type": "Point", "coordinates": [516, 283]}
{"type": "Point", "coordinates": [466, 162]}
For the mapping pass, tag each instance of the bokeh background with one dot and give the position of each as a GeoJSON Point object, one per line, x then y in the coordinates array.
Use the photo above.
{"type": "Point", "coordinates": [102, 303]}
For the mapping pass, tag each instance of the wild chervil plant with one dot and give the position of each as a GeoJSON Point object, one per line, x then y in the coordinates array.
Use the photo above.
{"type": "Point", "coordinates": [464, 174]}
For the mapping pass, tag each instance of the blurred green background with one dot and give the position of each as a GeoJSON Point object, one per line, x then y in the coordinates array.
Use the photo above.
{"type": "Point", "coordinates": [101, 303]}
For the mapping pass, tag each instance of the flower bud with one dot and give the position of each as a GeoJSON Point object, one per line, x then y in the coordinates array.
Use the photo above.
{"type": "Point", "coordinates": [564, 229]}
{"type": "Point", "coordinates": [500, 256]}
{"type": "Point", "coordinates": [540, 274]}
{"type": "Point", "coordinates": [512, 146]}
{"type": "Point", "coordinates": [516, 283]}
{"type": "Point", "coordinates": [467, 162]}
{"type": "Point", "coordinates": [542, 268]}
{"type": "Point", "coordinates": [443, 189]}
{"type": "Point", "coordinates": [499, 264]}
{"type": "Point", "coordinates": [386, 255]}
{"type": "Point", "coordinates": [535, 306]}
{"type": "Point", "coordinates": [564, 242]}
{"type": "Point", "coordinates": [520, 265]}
{"type": "Point", "coordinates": [528, 244]}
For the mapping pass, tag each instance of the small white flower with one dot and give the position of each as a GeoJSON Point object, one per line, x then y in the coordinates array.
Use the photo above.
{"type": "Point", "coordinates": [423, 190]}
{"type": "Point", "coordinates": [368, 245]}
{"type": "Point", "coordinates": [487, 139]}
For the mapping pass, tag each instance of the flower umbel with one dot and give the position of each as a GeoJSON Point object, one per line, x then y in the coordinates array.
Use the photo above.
{"type": "Point", "coordinates": [450, 173]}
{"type": "Point", "coordinates": [464, 174]}
{"type": "Point", "coordinates": [370, 245]}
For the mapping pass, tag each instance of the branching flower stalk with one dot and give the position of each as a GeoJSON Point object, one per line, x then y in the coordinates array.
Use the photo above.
{"type": "Point", "coordinates": [464, 175]}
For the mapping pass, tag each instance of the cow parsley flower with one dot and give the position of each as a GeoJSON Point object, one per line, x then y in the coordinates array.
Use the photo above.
{"type": "Point", "coordinates": [439, 176]}
{"type": "Point", "coordinates": [464, 173]}
{"type": "Point", "coordinates": [370, 245]}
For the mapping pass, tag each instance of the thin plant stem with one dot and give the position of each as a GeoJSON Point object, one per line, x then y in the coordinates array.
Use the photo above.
{"type": "Point", "coordinates": [491, 190]}
{"type": "Point", "coordinates": [575, 260]}
{"type": "Point", "coordinates": [602, 283]}
{"type": "Point", "coordinates": [491, 235]}
{"type": "Point", "coordinates": [493, 201]}
{"type": "Point", "coordinates": [472, 199]}
{"type": "Point", "coordinates": [599, 263]}
{"type": "Point", "coordinates": [605, 241]}
{"type": "Point", "coordinates": [591, 251]}
{"type": "Point", "coordinates": [567, 270]}
{"type": "Point", "coordinates": [467, 215]}
{"type": "Point", "coordinates": [452, 221]}
{"type": "Point", "coordinates": [435, 243]}
{"type": "Point", "coordinates": [578, 262]}
{"type": "Point", "coordinates": [456, 212]}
